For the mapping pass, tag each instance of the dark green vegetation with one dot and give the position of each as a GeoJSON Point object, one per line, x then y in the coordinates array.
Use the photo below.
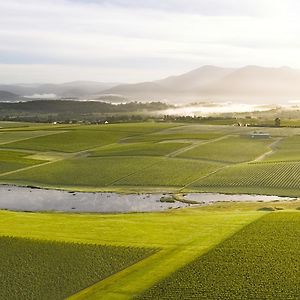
{"type": "Point", "coordinates": [13, 160]}
{"type": "Point", "coordinates": [151, 156]}
{"type": "Point", "coordinates": [75, 111]}
{"type": "Point", "coordinates": [230, 149]}
{"type": "Point", "coordinates": [180, 235]}
{"type": "Point", "coordinates": [277, 178]}
{"type": "Point", "coordinates": [222, 251]}
{"type": "Point", "coordinates": [32, 269]}
{"type": "Point", "coordinates": [261, 261]}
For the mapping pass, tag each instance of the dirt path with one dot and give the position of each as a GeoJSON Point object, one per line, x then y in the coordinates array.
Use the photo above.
{"type": "Point", "coordinates": [273, 149]}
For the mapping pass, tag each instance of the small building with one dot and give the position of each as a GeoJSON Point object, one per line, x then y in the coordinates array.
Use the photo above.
{"type": "Point", "coordinates": [260, 135]}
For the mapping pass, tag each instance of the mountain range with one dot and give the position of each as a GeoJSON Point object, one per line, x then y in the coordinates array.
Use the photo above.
{"type": "Point", "coordinates": [247, 84]}
{"type": "Point", "coordinates": [250, 84]}
{"type": "Point", "coordinates": [75, 89]}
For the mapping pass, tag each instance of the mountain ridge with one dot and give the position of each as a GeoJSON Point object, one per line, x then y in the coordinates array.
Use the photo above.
{"type": "Point", "coordinates": [250, 83]}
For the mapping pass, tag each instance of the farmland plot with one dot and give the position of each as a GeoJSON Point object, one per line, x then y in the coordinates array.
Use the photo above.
{"type": "Point", "coordinates": [172, 136]}
{"type": "Point", "coordinates": [13, 160]}
{"type": "Point", "coordinates": [261, 261]}
{"type": "Point", "coordinates": [170, 172]}
{"type": "Point", "coordinates": [82, 172]}
{"type": "Point", "coordinates": [287, 150]}
{"type": "Point", "coordinates": [13, 136]}
{"type": "Point", "coordinates": [278, 178]}
{"type": "Point", "coordinates": [138, 149]}
{"type": "Point", "coordinates": [32, 269]}
{"type": "Point", "coordinates": [232, 149]}
{"type": "Point", "coordinates": [71, 141]}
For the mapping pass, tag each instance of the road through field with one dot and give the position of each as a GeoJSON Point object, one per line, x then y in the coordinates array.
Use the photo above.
{"type": "Point", "coordinates": [273, 149]}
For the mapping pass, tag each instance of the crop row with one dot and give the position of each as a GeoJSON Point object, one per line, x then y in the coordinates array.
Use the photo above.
{"type": "Point", "coordinates": [279, 175]}
{"type": "Point", "coordinates": [230, 149]}
{"type": "Point", "coordinates": [33, 269]}
{"type": "Point", "coordinates": [259, 262]}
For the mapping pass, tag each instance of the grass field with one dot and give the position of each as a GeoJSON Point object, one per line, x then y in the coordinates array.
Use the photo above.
{"type": "Point", "coordinates": [71, 141]}
{"type": "Point", "coordinates": [13, 160]}
{"type": "Point", "coordinates": [14, 136]}
{"type": "Point", "coordinates": [286, 150]}
{"type": "Point", "coordinates": [152, 157]}
{"type": "Point", "coordinates": [181, 236]}
{"type": "Point", "coordinates": [138, 149]}
{"type": "Point", "coordinates": [32, 269]}
{"type": "Point", "coordinates": [261, 261]}
{"type": "Point", "coordinates": [269, 178]}
{"type": "Point", "coordinates": [242, 240]}
{"type": "Point", "coordinates": [221, 251]}
{"type": "Point", "coordinates": [170, 172]}
{"type": "Point", "coordinates": [231, 149]}
{"type": "Point", "coordinates": [82, 172]}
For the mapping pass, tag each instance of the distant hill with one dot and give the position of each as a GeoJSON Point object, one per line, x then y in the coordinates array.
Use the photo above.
{"type": "Point", "coordinates": [251, 84]}
{"type": "Point", "coordinates": [7, 96]}
{"type": "Point", "coordinates": [76, 89]}
{"type": "Point", "coordinates": [76, 107]}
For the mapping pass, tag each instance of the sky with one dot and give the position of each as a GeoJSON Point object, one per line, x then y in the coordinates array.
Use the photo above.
{"type": "Point", "coordinates": [137, 40]}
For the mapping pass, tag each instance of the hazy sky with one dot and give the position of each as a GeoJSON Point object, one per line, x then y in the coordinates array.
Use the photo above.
{"type": "Point", "coordinates": [136, 40]}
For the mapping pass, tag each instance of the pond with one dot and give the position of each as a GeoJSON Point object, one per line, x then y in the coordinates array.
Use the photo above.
{"type": "Point", "coordinates": [33, 199]}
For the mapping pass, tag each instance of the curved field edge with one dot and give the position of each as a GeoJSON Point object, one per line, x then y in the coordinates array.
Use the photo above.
{"type": "Point", "coordinates": [32, 269]}
{"type": "Point", "coordinates": [261, 261]}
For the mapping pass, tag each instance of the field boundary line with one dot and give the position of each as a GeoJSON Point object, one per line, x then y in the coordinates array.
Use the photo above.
{"type": "Point", "coordinates": [117, 285]}
{"type": "Point", "coordinates": [30, 167]}
{"type": "Point", "coordinates": [143, 169]}
{"type": "Point", "coordinates": [272, 146]}
{"type": "Point", "coordinates": [194, 145]}
{"type": "Point", "coordinates": [204, 176]}
{"type": "Point", "coordinates": [30, 138]}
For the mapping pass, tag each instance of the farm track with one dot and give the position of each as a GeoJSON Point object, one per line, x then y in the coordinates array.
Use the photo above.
{"type": "Point", "coordinates": [133, 280]}
{"type": "Point", "coordinates": [273, 149]}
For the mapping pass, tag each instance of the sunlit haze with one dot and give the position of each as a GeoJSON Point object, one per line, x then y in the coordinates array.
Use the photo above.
{"type": "Point", "coordinates": [132, 41]}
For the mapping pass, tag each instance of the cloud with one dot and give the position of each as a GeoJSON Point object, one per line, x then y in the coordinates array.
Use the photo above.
{"type": "Point", "coordinates": [131, 40]}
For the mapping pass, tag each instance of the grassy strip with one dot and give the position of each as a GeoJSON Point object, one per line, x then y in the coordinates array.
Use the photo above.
{"type": "Point", "coordinates": [261, 261]}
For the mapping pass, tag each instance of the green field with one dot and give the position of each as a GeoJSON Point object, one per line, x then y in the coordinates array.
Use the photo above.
{"type": "Point", "coordinates": [181, 236]}
{"type": "Point", "coordinates": [13, 160]}
{"type": "Point", "coordinates": [243, 241]}
{"type": "Point", "coordinates": [152, 157]}
{"type": "Point", "coordinates": [7, 137]}
{"type": "Point", "coordinates": [139, 149]}
{"type": "Point", "coordinates": [90, 172]}
{"type": "Point", "coordinates": [286, 150]}
{"type": "Point", "coordinates": [261, 261]}
{"type": "Point", "coordinates": [231, 149]}
{"type": "Point", "coordinates": [265, 178]}
{"type": "Point", "coordinates": [221, 251]}
{"type": "Point", "coordinates": [170, 172]}
{"type": "Point", "coordinates": [32, 269]}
